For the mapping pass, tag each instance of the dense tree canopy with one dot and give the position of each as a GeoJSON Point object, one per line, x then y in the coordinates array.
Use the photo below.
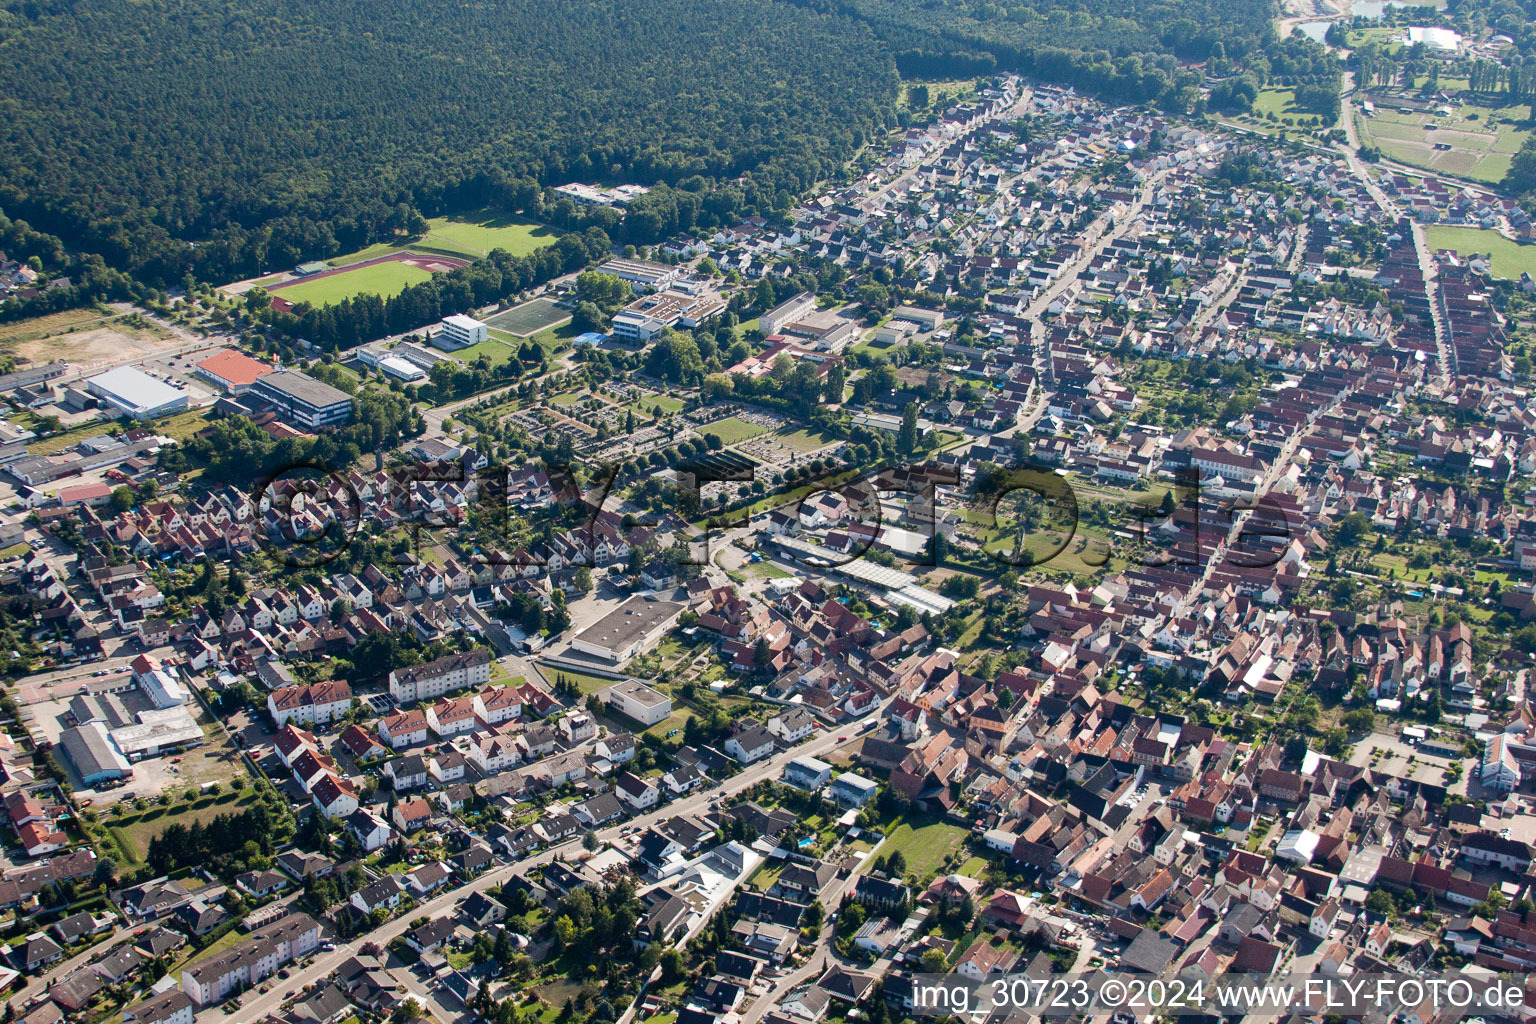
{"type": "Point", "coordinates": [273, 132]}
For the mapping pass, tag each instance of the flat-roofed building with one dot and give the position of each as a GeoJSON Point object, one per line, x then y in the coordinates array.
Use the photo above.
{"type": "Point", "coordinates": [787, 312]}
{"type": "Point", "coordinates": [628, 629]}
{"type": "Point", "coordinates": [641, 274]}
{"type": "Point", "coordinates": [638, 701]}
{"type": "Point", "coordinates": [136, 394]}
{"type": "Point", "coordinates": [460, 331]}
{"type": "Point", "coordinates": [301, 399]}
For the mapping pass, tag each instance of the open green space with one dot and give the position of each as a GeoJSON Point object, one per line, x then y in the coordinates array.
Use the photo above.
{"type": "Point", "coordinates": [469, 236]}
{"type": "Point", "coordinates": [134, 832]}
{"type": "Point", "coordinates": [732, 430]}
{"type": "Point", "coordinates": [804, 441]}
{"type": "Point", "coordinates": [1281, 102]}
{"type": "Point", "coordinates": [496, 352]}
{"type": "Point", "coordinates": [650, 403]}
{"type": "Point", "coordinates": [1510, 259]}
{"type": "Point", "coordinates": [383, 279]}
{"type": "Point", "coordinates": [1475, 141]}
{"type": "Point", "coordinates": [924, 846]}
{"type": "Point", "coordinates": [584, 682]}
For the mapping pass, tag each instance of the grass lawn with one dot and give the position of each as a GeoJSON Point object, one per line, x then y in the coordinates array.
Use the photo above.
{"type": "Point", "coordinates": [383, 279]}
{"type": "Point", "coordinates": [648, 405]}
{"type": "Point", "coordinates": [766, 874]}
{"type": "Point", "coordinates": [804, 441]}
{"type": "Point", "coordinates": [493, 350]}
{"type": "Point", "coordinates": [1282, 103]}
{"type": "Point", "coordinates": [17, 550]}
{"type": "Point", "coordinates": [732, 430]}
{"type": "Point", "coordinates": [229, 940]}
{"type": "Point", "coordinates": [584, 682]}
{"type": "Point", "coordinates": [479, 233]}
{"type": "Point", "coordinates": [925, 846]}
{"type": "Point", "coordinates": [973, 867]}
{"type": "Point", "coordinates": [468, 237]}
{"type": "Point", "coordinates": [184, 424]}
{"type": "Point", "coordinates": [43, 326]}
{"type": "Point", "coordinates": [134, 832]}
{"type": "Point", "coordinates": [1509, 258]}
{"type": "Point", "coordinates": [67, 439]}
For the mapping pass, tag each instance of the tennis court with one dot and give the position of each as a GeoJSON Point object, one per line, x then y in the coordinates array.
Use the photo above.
{"type": "Point", "coordinates": [529, 318]}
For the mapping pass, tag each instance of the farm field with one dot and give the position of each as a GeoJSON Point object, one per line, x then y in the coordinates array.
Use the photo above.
{"type": "Point", "coordinates": [732, 430]}
{"type": "Point", "coordinates": [1510, 259]}
{"type": "Point", "coordinates": [382, 279]}
{"type": "Point", "coordinates": [1482, 140]}
{"type": "Point", "coordinates": [528, 319]}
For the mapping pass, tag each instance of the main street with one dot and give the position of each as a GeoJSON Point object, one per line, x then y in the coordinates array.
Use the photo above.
{"type": "Point", "coordinates": [258, 1005]}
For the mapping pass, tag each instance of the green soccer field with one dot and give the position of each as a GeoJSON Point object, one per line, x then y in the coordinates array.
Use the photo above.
{"type": "Point", "coordinates": [385, 279]}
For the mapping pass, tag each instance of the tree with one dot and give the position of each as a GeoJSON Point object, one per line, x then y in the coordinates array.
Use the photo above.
{"type": "Point", "coordinates": [907, 439]}
{"type": "Point", "coordinates": [673, 968]}
{"type": "Point", "coordinates": [121, 500]}
{"type": "Point", "coordinates": [935, 962]}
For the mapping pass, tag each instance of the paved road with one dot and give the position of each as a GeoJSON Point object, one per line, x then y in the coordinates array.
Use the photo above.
{"type": "Point", "coordinates": [822, 953]}
{"type": "Point", "coordinates": [258, 1005]}
{"type": "Point", "coordinates": [36, 988]}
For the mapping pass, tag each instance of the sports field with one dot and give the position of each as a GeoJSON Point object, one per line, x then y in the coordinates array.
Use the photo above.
{"type": "Point", "coordinates": [1510, 259]}
{"type": "Point", "coordinates": [469, 236]}
{"type": "Point", "coordinates": [529, 318]}
{"type": "Point", "coordinates": [384, 279]}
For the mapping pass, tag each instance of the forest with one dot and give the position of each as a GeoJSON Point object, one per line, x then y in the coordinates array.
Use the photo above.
{"type": "Point", "coordinates": [193, 138]}
{"type": "Point", "coordinates": [1123, 50]}
{"type": "Point", "coordinates": [271, 132]}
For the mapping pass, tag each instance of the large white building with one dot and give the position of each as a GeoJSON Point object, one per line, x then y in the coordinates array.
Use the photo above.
{"type": "Point", "coordinates": [641, 274]}
{"type": "Point", "coordinates": [637, 701]}
{"type": "Point", "coordinates": [785, 313]}
{"type": "Point", "coordinates": [136, 394]}
{"type": "Point", "coordinates": [252, 961]}
{"type": "Point", "coordinates": [628, 629]}
{"type": "Point", "coordinates": [460, 331]}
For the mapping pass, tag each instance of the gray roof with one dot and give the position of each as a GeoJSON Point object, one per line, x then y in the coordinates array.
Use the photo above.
{"type": "Point", "coordinates": [302, 387]}
{"type": "Point", "coordinates": [90, 751]}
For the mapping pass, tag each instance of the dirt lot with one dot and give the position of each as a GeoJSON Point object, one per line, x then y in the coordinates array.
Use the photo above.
{"type": "Point", "coordinates": [83, 344]}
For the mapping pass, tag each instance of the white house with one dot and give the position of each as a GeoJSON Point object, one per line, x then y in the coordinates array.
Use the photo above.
{"type": "Point", "coordinates": [750, 743]}
{"type": "Point", "coordinates": [636, 792]}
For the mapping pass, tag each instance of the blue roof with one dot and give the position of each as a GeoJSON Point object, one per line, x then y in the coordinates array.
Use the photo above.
{"type": "Point", "coordinates": [590, 338]}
